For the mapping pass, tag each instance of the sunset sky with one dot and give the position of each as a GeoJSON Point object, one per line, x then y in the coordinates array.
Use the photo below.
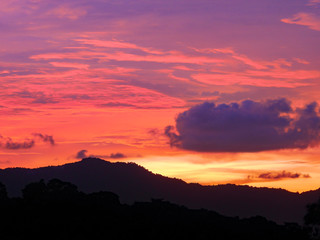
{"type": "Point", "coordinates": [209, 91]}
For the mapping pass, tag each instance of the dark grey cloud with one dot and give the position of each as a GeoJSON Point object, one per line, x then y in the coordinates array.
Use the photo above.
{"type": "Point", "coordinates": [45, 138]}
{"type": "Point", "coordinates": [281, 175]}
{"type": "Point", "coordinates": [117, 155]}
{"type": "Point", "coordinates": [116, 104]}
{"type": "Point", "coordinates": [155, 132]}
{"type": "Point", "coordinates": [248, 126]}
{"type": "Point", "coordinates": [84, 154]}
{"type": "Point", "coordinates": [210, 94]}
{"type": "Point", "coordinates": [37, 97]}
{"type": "Point", "coordinates": [20, 111]}
{"type": "Point", "coordinates": [44, 100]}
{"type": "Point", "coordinates": [9, 143]}
{"type": "Point", "coordinates": [136, 106]}
{"type": "Point", "coordinates": [78, 97]}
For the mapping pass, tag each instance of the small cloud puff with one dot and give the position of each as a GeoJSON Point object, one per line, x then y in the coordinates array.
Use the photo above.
{"type": "Point", "coordinates": [84, 154]}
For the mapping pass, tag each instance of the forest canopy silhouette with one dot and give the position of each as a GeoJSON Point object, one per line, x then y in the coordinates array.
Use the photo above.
{"type": "Point", "coordinates": [59, 208]}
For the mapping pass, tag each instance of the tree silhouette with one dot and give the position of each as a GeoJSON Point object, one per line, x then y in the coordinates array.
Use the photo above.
{"type": "Point", "coordinates": [35, 190]}
{"type": "Point", "coordinates": [57, 189]}
{"type": "Point", "coordinates": [103, 198]}
{"type": "Point", "coordinates": [312, 219]}
{"type": "Point", "coordinates": [3, 192]}
{"type": "Point", "coordinates": [54, 190]}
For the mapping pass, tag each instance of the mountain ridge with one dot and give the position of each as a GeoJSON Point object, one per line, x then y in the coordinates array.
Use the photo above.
{"type": "Point", "coordinates": [90, 159]}
{"type": "Point", "coordinates": [133, 183]}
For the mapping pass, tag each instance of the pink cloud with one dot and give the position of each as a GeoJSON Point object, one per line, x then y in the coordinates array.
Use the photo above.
{"type": "Point", "coordinates": [183, 68]}
{"type": "Point", "coordinates": [21, 6]}
{"type": "Point", "coordinates": [242, 58]}
{"type": "Point", "coordinates": [223, 67]}
{"type": "Point", "coordinates": [72, 13]}
{"type": "Point", "coordinates": [209, 66]}
{"type": "Point", "coordinates": [70, 65]}
{"type": "Point", "coordinates": [120, 71]}
{"type": "Point", "coordinates": [313, 2]}
{"type": "Point", "coordinates": [276, 73]}
{"type": "Point", "coordinates": [93, 88]}
{"type": "Point", "coordinates": [219, 58]}
{"type": "Point", "coordinates": [116, 44]}
{"type": "Point", "coordinates": [8, 6]}
{"type": "Point", "coordinates": [249, 61]}
{"type": "Point", "coordinates": [214, 50]}
{"type": "Point", "coordinates": [172, 57]}
{"type": "Point", "coordinates": [228, 79]}
{"type": "Point", "coordinates": [309, 20]}
{"type": "Point", "coordinates": [69, 55]}
{"type": "Point", "coordinates": [170, 74]}
{"type": "Point", "coordinates": [128, 96]}
{"type": "Point", "coordinates": [287, 74]}
{"type": "Point", "coordinates": [301, 61]}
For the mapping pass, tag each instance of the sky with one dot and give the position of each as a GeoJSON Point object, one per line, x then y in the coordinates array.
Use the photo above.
{"type": "Point", "coordinates": [209, 91]}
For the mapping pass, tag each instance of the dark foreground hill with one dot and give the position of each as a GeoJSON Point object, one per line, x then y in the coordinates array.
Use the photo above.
{"type": "Point", "coordinates": [57, 210]}
{"type": "Point", "coordinates": [134, 183]}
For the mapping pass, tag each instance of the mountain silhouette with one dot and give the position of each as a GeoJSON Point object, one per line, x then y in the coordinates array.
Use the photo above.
{"type": "Point", "coordinates": [133, 183]}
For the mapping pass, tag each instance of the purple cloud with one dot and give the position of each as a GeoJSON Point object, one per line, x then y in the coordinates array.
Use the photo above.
{"type": "Point", "coordinates": [283, 174]}
{"type": "Point", "coordinates": [8, 143]}
{"type": "Point", "coordinates": [117, 155]}
{"type": "Point", "coordinates": [248, 126]}
{"type": "Point", "coordinates": [37, 97]}
{"type": "Point", "coordinates": [84, 154]}
{"type": "Point", "coordinates": [45, 138]}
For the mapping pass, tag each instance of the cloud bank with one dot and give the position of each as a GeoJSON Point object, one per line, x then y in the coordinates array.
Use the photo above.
{"type": "Point", "coordinates": [248, 126]}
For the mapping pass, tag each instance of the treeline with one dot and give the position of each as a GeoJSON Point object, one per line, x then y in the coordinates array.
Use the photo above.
{"type": "Point", "coordinates": [57, 210]}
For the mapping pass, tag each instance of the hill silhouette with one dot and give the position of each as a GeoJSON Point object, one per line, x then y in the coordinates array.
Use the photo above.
{"type": "Point", "coordinates": [58, 210]}
{"type": "Point", "coordinates": [133, 183]}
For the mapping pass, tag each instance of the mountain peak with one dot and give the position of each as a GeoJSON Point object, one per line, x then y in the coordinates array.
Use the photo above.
{"type": "Point", "coordinates": [93, 160]}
